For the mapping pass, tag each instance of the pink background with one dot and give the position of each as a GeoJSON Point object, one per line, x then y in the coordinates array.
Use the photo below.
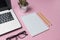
{"type": "Point", "coordinates": [50, 8]}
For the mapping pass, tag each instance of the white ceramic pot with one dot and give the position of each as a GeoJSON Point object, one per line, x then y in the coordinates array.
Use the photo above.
{"type": "Point", "coordinates": [24, 8]}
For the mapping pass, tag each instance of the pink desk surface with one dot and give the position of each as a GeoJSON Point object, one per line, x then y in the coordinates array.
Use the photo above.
{"type": "Point", "coordinates": [50, 8]}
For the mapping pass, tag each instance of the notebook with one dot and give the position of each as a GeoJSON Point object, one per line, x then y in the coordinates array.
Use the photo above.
{"type": "Point", "coordinates": [34, 23]}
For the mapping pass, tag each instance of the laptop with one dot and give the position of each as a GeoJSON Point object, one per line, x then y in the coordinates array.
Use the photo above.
{"type": "Point", "coordinates": [8, 19]}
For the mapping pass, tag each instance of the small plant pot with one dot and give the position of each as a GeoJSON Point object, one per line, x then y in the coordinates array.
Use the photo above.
{"type": "Point", "coordinates": [23, 5]}
{"type": "Point", "coordinates": [24, 8]}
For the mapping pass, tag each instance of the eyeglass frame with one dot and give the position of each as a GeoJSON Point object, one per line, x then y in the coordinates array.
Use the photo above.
{"type": "Point", "coordinates": [16, 36]}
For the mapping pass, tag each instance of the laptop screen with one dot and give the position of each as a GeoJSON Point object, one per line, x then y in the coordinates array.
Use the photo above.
{"type": "Point", "coordinates": [3, 3]}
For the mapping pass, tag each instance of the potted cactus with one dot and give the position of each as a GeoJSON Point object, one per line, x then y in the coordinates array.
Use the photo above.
{"type": "Point", "coordinates": [23, 4]}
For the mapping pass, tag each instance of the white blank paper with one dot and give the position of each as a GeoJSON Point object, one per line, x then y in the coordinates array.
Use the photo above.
{"type": "Point", "coordinates": [34, 24]}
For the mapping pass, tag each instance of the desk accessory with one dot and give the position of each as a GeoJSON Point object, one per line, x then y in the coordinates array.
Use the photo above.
{"type": "Point", "coordinates": [20, 35]}
{"type": "Point", "coordinates": [35, 24]}
{"type": "Point", "coordinates": [23, 5]}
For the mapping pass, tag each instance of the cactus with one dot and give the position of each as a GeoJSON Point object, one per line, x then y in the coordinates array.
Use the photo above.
{"type": "Point", "coordinates": [23, 2]}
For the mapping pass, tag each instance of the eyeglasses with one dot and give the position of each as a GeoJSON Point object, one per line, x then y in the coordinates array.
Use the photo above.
{"type": "Point", "coordinates": [20, 35]}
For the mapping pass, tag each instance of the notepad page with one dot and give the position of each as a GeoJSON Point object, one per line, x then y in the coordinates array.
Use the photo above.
{"type": "Point", "coordinates": [34, 24]}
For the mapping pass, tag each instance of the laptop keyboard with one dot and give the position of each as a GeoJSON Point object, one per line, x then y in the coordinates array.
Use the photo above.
{"type": "Point", "coordinates": [6, 17]}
